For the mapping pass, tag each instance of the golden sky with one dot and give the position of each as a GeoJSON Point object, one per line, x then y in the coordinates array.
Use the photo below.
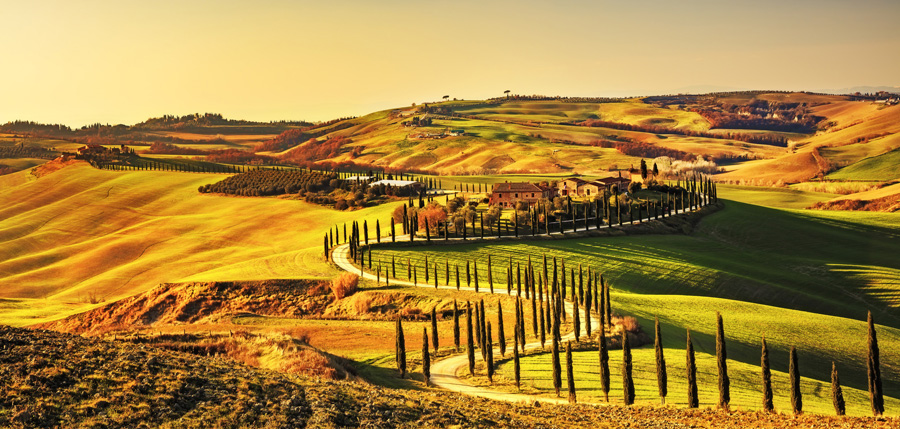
{"type": "Point", "coordinates": [80, 62]}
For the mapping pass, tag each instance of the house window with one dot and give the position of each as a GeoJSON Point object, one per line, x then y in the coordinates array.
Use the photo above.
{"type": "Point", "coordinates": [517, 195]}
{"type": "Point", "coordinates": [588, 191]}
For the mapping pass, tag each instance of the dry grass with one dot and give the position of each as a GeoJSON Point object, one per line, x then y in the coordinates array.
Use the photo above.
{"type": "Point", "coordinates": [344, 285]}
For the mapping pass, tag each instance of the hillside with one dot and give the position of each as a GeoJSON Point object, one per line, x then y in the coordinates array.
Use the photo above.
{"type": "Point", "coordinates": [78, 236]}
{"type": "Point", "coordinates": [56, 380]}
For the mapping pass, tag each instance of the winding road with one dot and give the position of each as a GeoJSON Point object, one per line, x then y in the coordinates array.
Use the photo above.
{"type": "Point", "coordinates": [443, 372]}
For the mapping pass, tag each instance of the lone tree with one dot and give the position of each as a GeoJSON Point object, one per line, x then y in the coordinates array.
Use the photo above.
{"type": "Point", "coordinates": [766, 378]}
{"type": "Point", "coordinates": [570, 373]}
{"type": "Point", "coordinates": [874, 372]}
{"type": "Point", "coordinates": [693, 400]}
{"type": "Point", "coordinates": [837, 395]}
{"type": "Point", "coordinates": [426, 360]}
{"type": "Point", "coordinates": [661, 375]}
{"type": "Point", "coordinates": [721, 357]}
{"type": "Point", "coordinates": [401, 349]}
{"type": "Point", "coordinates": [794, 371]}
{"type": "Point", "coordinates": [507, 93]}
{"type": "Point", "coordinates": [627, 381]}
{"type": "Point", "coordinates": [604, 363]}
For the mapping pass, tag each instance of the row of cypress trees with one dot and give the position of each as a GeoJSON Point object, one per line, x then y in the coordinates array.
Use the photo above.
{"type": "Point", "coordinates": [698, 192]}
{"type": "Point", "coordinates": [479, 331]}
{"type": "Point", "coordinates": [876, 394]}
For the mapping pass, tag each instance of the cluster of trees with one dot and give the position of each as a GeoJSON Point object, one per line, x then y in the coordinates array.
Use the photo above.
{"type": "Point", "coordinates": [275, 182]}
{"type": "Point", "coordinates": [766, 139]}
{"type": "Point", "coordinates": [22, 151]}
{"type": "Point", "coordinates": [206, 120]}
{"type": "Point", "coordinates": [643, 150]}
{"type": "Point", "coordinates": [417, 122]}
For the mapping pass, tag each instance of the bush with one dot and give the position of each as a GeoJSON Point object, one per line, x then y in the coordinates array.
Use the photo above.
{"type": "Point", "coordinates": [344, 285]}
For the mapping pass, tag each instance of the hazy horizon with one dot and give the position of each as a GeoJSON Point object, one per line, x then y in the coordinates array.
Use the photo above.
{"type": "Point", "coordinates": [101, 61]}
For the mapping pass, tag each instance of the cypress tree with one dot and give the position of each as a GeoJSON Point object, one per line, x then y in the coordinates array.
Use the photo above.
{"type": "Point", "coordinates": [570, 373]}
{"type": "Point", "coordinates": [434, 332]}
{"type": "Point", "coordinates": [500, 334]}
{"type": "Point", "coordinates": [490, 275]}
{"type": "Point", "coordinates": [534, 317]}
{"type": "Point", "coordinates": [874, 371]}
{"type": "Point", "coordinates": [490, 354]}
{"type": "Point", "coordinates": [470, 345]}
{"type": "Point", "coordinates": [557, 377]}
{"type": "Point", "coordinates": [475, 272]}
{"type": "Point", "coordinates": [721, 357]}
{"type": "Point", "coordinates": [516, 367]}
{"type": "Point", "coordinates": [457, 276]}
{"type": "Point", "coordinates": [661, 374]}
{"type": "Point", "coordinates": [401, 349]}
{"type": "Point", "coordinates": [693, 400]}
{"type": "Point", "coordinates": [482, 324]}
{"type": "Point", "coordinates": [606, 286]}
{"type": "Point", "coordinates": [427, 277]}
{"type": "Point", "coordinates": [794, 371]}
{"type": "Point", "coordinates": [576, 320]}
{"type": "Point", "coordinates": [477, 327]}
{"type": "Point", "coordinates": [377, 231]}
{"type": "Point", "coordinates": [426, 360]}
{"type": "Point", "coordinates": [455, 326]}
{"type": "Point", "coordinates": [627, 381]}
{"type": "Point", "coordinates": [587, 311]}
{"type": "Point", "coordinates": [468, 275]}
{"type": "Point", "coordinates": [393, 267]}
{"type": "Point", "coordinates": [837, 395]}
{"type": "Point", "coordinates": [766, 378]}
{"type": "Point", "coordinates": [543, 331]}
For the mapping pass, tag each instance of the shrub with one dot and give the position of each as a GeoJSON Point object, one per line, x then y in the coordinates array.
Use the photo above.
{"type": "Point", "coordinates": [344, 285]}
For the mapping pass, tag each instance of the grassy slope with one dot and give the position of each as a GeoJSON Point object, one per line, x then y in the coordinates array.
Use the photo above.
{"type": "Point", "coordinates": [800, 277]}
{"type": "Point", "coordinates": [881, 168]}
{"type": "Point", "coordinates": [82, 231]}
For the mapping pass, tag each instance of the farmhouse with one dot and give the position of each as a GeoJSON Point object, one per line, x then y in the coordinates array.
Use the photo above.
{"type": "Point", "coordinates": [577, 187]}
{"type": "Point", "coordinates": [608, 182]}
{"type": "Point", "coordinates": [359, 178]}
{"type": "Point", "coordinates": [508, 194]}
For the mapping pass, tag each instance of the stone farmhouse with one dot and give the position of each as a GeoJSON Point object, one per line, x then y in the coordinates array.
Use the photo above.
{"type": "Point", "coordinates": [508, 194]}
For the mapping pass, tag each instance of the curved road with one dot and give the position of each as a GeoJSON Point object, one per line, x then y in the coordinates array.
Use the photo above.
{"type": "Point", "coordinates": [443, 372]}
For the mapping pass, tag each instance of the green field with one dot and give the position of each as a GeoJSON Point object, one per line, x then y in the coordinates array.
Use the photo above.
{"type": "Point", "coordinates": [745, 381]}
{"type": "Point", "coordinates": [802, 278]}
{"type": "Point", "coordinates": [877, 168]}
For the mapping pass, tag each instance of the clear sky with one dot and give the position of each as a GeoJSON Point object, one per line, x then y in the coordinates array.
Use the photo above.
{"type": "Point", "coordinates": [80, 62]}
